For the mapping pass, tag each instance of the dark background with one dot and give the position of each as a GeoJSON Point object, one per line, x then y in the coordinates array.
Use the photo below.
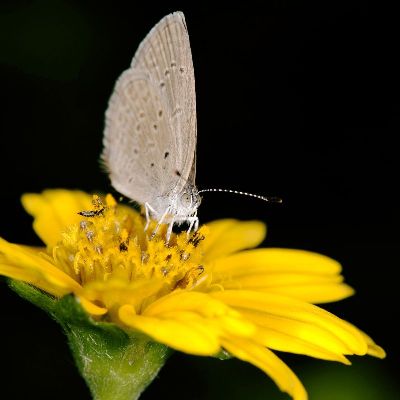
{"type": "Point", "coordinates": [294, 99]}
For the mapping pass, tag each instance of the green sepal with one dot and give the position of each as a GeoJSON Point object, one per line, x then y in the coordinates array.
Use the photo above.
{"type": "Point", "coordinates": [223, 355]}
{"type": "Point", "coordinates": [117, 364]}
{"type": "Point", "coordinates": [34, 295]}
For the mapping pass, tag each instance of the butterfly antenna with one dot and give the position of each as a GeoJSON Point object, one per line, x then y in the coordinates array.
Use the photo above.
{"type": "Point", "coordinates": [257, 196]}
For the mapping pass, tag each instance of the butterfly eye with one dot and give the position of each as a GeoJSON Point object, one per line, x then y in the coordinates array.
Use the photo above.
{"type": "Point", "coordinates": [186, 199]}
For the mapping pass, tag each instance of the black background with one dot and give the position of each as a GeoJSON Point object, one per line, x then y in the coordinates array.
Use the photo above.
{"type": "Point", "coordinates": [293, 99]}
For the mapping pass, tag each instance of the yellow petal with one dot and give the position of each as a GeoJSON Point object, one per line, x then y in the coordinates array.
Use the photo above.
{"type": "Point", "coordinates": [202, 307]}
{"type": "Point", "coordinates": [373, 349]}
{"type": "Point", "coordinates": [221, 325]}
{"type": "Point", "coordinates": [201, 303]}
{"type": "Point", "coordinates": [91, 308]}
{"type": "Point", "coordinates": [53, 210]}
{"type": "Point", "coordinates": [276, 280]}
{"type": "Point", "coordinates": [300, 274]}
{"type": "Point", "coordinates": [308, 287]}
{"type": "Point", "coordinates": [31, 277]}
{"type": "Point", "coordinates": [188, 336]}
{"type": "Point", "coordinates": [305, 321]}
{"type": "Point", "coordinates": [115, 292]}
{"type": "Point", "coordinates": [316, 294]}
{"type": "Point", "coordinates": [276, 260]}
{"type": "Point", "coordinates": [228, 236]}
{"type": "Point", "coordinates": [31, 268]}
{"type": "Point", "coordinates": [296, 337]}
{"type": "Point", "coordinates": [267, 361]}
{"type": "Point", "coordinates": [24, 258]}
{"type": "Point", "coordinates": [376, 351]}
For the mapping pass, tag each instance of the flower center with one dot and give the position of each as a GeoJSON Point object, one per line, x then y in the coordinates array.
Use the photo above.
{"type": "Point", "coordinates": [109, 243]}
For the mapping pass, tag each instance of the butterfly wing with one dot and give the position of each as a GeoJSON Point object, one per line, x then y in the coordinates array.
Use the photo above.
{"type": "Point", "coordinates": [166, 56]}
{"type": "Point", "coordinates": [150, 134]}
{"type": "Point", "coordinates": [138, 141]}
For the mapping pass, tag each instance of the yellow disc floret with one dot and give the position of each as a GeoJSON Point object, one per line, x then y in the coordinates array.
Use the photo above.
{"type": "Point", "coordinates": [109, 244]}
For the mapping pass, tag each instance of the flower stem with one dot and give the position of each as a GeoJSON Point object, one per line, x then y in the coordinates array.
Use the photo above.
{"type": "Point", "coordinates": [115, 369]}
{"type": "Point", "coordinates": [117, 364]}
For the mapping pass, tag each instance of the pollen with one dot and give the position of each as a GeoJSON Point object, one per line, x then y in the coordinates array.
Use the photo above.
{"type": "Point", "coordinates": [109, 243]}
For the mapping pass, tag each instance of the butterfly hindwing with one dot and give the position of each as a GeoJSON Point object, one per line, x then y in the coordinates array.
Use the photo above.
{"type": "Point", "coordinates": [138, 141]}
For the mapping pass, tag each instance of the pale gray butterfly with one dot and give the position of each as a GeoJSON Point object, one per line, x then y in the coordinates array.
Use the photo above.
{"type": "Point", "coordinates": [150, 134]}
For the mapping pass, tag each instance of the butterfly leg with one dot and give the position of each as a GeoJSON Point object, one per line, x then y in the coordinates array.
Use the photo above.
{"type": "Point", "coordinates": [194, 221]}
{"type": "Point", "coordinates": [169, 231]}
{"type": "Point", "coordinates": [148, 209]}
{"type": "Point", "coordinates": [160, 221]}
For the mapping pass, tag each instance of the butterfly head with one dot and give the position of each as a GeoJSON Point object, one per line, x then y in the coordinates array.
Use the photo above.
{"type": "Point", "coordinates": [188, 200]}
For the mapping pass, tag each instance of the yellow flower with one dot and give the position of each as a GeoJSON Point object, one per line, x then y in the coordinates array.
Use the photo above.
{"type": "Point", "coordinates": [200, 295]}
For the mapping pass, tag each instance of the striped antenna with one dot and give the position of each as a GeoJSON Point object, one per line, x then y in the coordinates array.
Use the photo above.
{"type": "Point", "coordinates": [269, 199]}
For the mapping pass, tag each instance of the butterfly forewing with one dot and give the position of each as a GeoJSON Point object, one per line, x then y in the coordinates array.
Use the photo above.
{"type": "Point", "coordinates": [150, 135]}
{"type": "Point", "coordinates": [166, 56]}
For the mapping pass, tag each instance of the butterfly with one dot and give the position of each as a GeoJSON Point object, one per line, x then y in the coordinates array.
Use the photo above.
{"type": "Point", "coordinates": [151, 129]}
